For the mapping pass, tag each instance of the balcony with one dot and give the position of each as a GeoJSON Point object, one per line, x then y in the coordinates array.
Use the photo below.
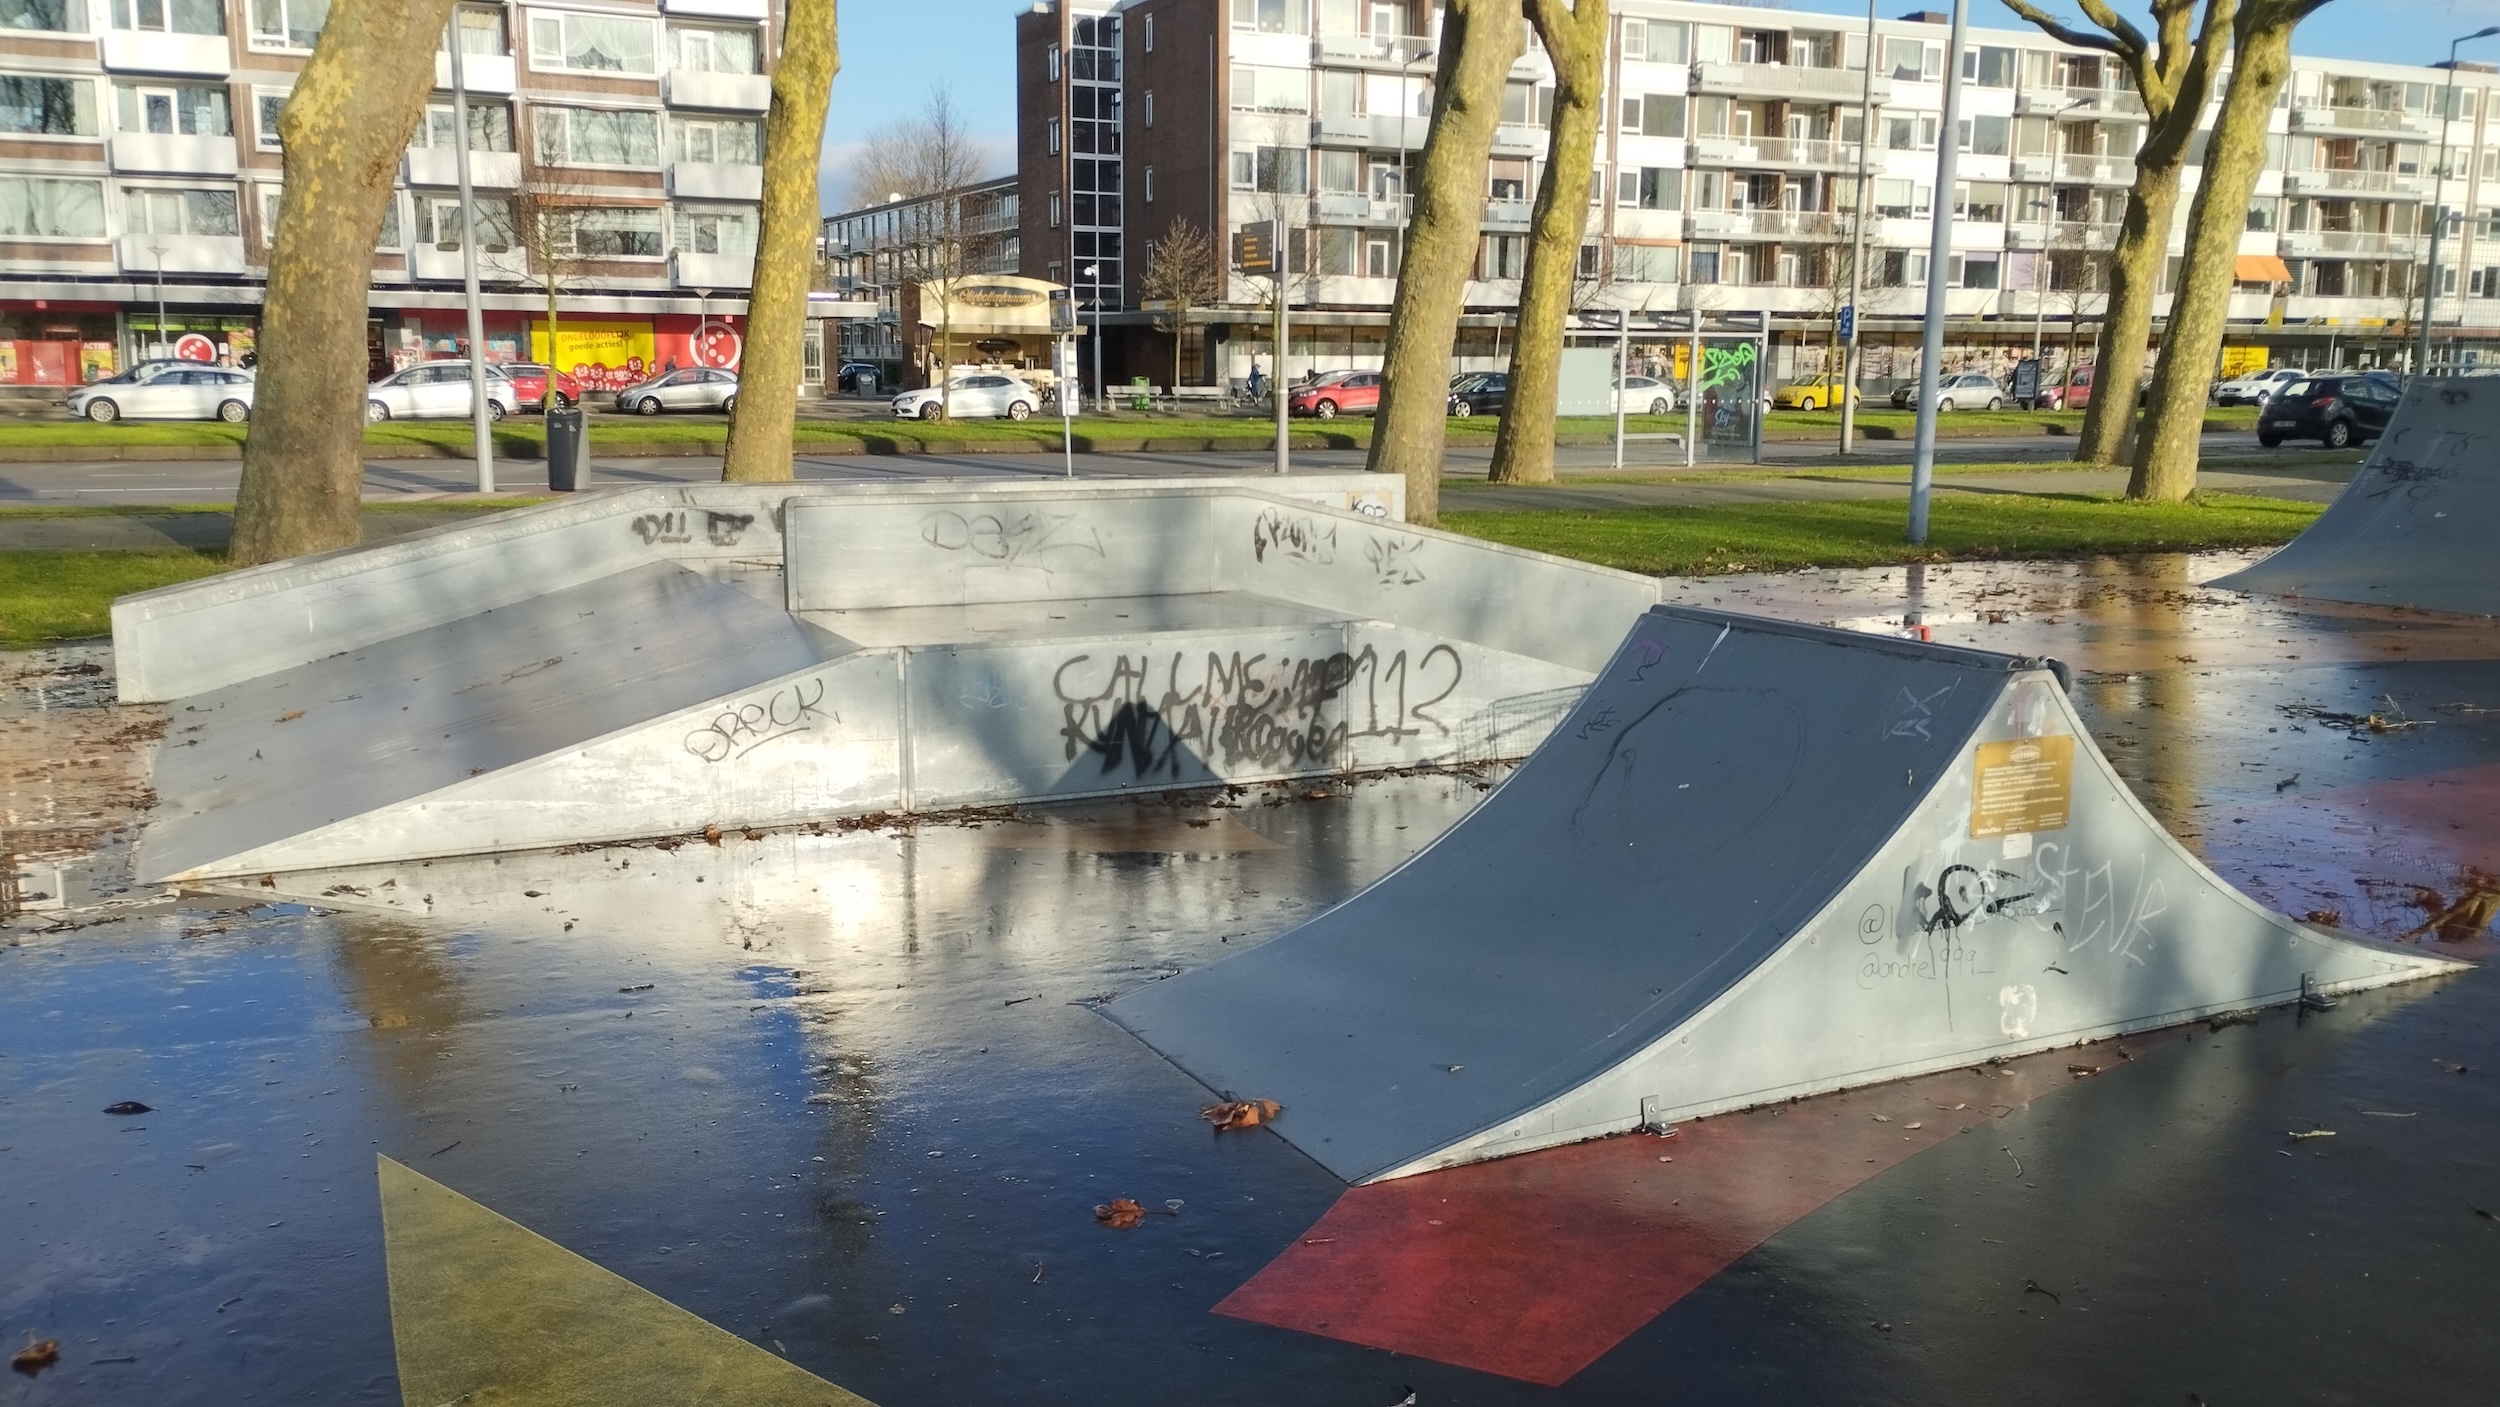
{"type": "Point", "coordinates": [708, 180]}
{"type": "Point", "coordinates": [488, 170]}
{"type": "Point", "coordinates": [169, 154]}
{"type": "Point", "coordinates": [184, 254]}
{"type": "Point", "coordinates": [2078, 103]}
{"type": "Point", "coordinates": [1385, 53]}
{"type": "Point", "coordinates": [2358, 121]}
{"type": "Point", "coordinates": [1381, 133]}
{"type": "Point", "coordinates": [2349, 244]}
{"type": "Point", "coordinates": [1765, 224]}
{"type": "Point", "coordinates": [1510, 139]}
{"type": "Point", "coordinates": [479, 73]}
{"type": "Point", "coordinates": [1508, 216]}
{"type": "Point", "coordinates": [152, 51]}
{"type": "Point", "coordinates": [719, 9]}
{"type": "Point", "coordinates": [1782, 81]}
{"type": "Point", "coordinates": [734, 92]}
{"type": "Point", "coordinates": [434, 262]}
{"type": "Point", "coordinates": [712, 271]}
{"type": "Point", "coordinates": [2351, 183]}
{"type": "Point", "coordinates": [1773, 151]}
{"type": "Point", "coordinates": [2097, 170]}
{"type": "Point", "coordinates": [1349, 208]}
{"type": "Point", "coordinates": [2062, 234]}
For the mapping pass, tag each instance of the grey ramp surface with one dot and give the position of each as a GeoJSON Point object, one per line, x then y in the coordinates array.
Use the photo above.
{"type": "Point", "coordinates": [287, 753]}
{"type": "Point", "coordinates": [2416, 527]}
{"type": "Point", "coordinates": [1723, 781]}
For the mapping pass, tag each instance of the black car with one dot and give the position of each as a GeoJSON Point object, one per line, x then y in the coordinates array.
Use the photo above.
{"type": "Point", "coordinates": [1480, 394]}
{"type": "Point", "coordinates": [2335, 410]}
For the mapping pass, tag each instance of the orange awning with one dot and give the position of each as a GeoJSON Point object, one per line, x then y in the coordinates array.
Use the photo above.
{"type": "Point", "coordinates": [2260, 268]}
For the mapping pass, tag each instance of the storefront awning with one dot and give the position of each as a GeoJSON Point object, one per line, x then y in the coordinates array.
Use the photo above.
{"type": "Point", "coordinates": [2260, 268]}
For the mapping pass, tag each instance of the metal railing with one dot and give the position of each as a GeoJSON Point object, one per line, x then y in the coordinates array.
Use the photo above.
{"type": "Point", "coordinates": [2357, 182]}
{"type": "Point", "coordinates": [2356, 119]}
{"type": "Point", "coordinates": [2302, 244]}
{"type": "Point", "coordinates": [1766, 224]}
{"type": "Point", "coordinates": [1786, 80]}
{"type": "Point", "coordinates": [1775, 151]}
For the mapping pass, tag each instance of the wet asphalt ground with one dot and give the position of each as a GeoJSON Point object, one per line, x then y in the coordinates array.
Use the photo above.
{"type": "Point", "coordinates": [844, 1095]}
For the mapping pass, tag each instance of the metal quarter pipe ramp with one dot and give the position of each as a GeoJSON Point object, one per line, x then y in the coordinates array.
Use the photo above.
{"type": "Point", "coordinates": [2415, 526]}
{"type": "Point", "coordinates": [1758, 861]}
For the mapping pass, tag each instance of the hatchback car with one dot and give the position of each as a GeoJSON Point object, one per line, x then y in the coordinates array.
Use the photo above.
{"type": "Point", "coordinates": [1479, 393]}
{"type": "Point", "coordinates": [191, 392]}
{"type": "Point", "coordinates": [847, 378]}
{"type": "Point", "coordinates": [2257, 387]}
{"type": "Point", "coordinates": [438, 391]}
{"type": "Point", "coordinates": [1645, 395]}
{"type": "Point", "coordinates": [1818, 394]}
{"type": "Point", "coordinates": [2336, 411]}
{"type": "Point", "coordinates": [1336, 393]}
{"type": "Point", "coordinates": [1965, 390]}
{"type": "Point", "coordinates": [535, 383]}
{"type": "Point", "coordinates": [686, 388]}
{"type": "Point", "coordinates": [983, 394]}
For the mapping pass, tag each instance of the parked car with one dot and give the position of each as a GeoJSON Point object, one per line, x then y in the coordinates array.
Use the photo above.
{"type": "Point", "coordinates": [1479, 393]}
{"type": "Point", "coordinates": [686, 388]}
{"type": "Point", "coordinates": [1336, 393]}
{"type": "Point", "coordinates": [1964, 390]}
{"type": "Point", "coordinates": [986, 394]}
{"type": "Point", "coordinates": [533, 382]}
{"type": "Point", "coordinates": [438, 391]}
{"type": "Point", "coordinates": [2337, 411]}
{"type": "Point", "coordinates": [144, 370]}
{"type": "Point", "coordinates": [189, 392]}
{"type": "Point", "coordinates": [847, 378]}
{"type": "Point", "coordinates": [1821, 393]}
{"type": "Point", "coordinates": [2073, 391]}
{"type": "Point", "coordinates": [1645, 395]}
{"type": "Point", "coordinates": [2257, 387]}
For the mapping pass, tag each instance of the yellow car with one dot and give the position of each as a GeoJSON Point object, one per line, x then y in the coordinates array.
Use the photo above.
{"type": "Point", "coordinates": [1818, 394]}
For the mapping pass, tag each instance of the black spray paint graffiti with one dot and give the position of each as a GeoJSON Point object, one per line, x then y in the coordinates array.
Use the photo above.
{"type": "Point", "coordinates": [741, 729]}
{"type": "Point", "coordinates": [1393, 560]}
{"type": "Point", "coordinates": [1963, 893]}
{"type": "Point", "coordinates": [1246, 713]}
{"type": "Point", "coordinates": [1019, 538]}
{"type": "Point", "coordinates": [677, 526]}
{"type": "Point", "coordinates": [1292, 539]}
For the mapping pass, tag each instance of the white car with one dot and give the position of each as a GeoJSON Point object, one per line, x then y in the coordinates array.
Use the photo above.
{"type": "Point", "coordinates": [438, 391]}
{"type": "Point", "coordinates": [169, 393]}
{"type": "Point", "coordinates": [1645, 395]}
{"type": "Point", "coordinates": [2257, 387]}
{"type": "Point", "coordinates": [983, 394]}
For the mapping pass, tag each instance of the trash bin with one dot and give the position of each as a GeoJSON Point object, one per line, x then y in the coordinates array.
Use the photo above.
{"type": "Point", "coordinates": [1141, 393]}
{"type": "Point", "coordinates": [866, 383]}
{"type": "Point", "coordinates": [568, 449]}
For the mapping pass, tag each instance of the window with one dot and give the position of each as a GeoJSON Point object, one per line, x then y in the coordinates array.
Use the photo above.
{"type": "Point", "coordinates": [1148, 113]}
{"type": "Point", "coordinates": [1636, 39]}
{"type": "Point", "coordinates": [490, 127]}
{"type": "Point", "coordinates": [1653, 188]}
{"type": "Point", "coordinates": [179, 212]}
{"type": "Point", "coordinates": [1504, 255]}
{"type": "Point", "coordinates": [1668, 42]}
{"type": "Point", "coordinates": [713, 50]}
{"type": "Point", "coordinates": [1988, 136]}
{"type": "Point", "coordinates": [268, 106]}
{"type": "Point", "coordinates": [46, 107]}
{"type": "Point", "coordinates": [1989, 68]}
{"type": "Point", "coordinates": [480, 32]}
{"type": "Point", "coordinates": [1705, 263]}
{"type": "Point", "coordinates": [171, 16]}
{"type": "Point", "coordinates": [1270, 89]}
{"type": "Point", "coordinates": [289, 24]}
{"type": "Point", "coordinates": [37, 208]}
{"type": "Point", "coordinates": [1282, 170]}
{"type": "Point", "coordinates": [1982, 203]}
{"type": "Point", "coordinates": [613, 232]}
{"type": "Point", "coordinates": [592, 43]}
{"type": "Point", "coordinates": [1050, 62]}
{"type": "Point", "coordinates": [1657, 115]}
{"type": "Point", "coordinates": [1905, 59]}
{"type": "Point", "coordinates": [1893, 198]}
{"type": "Point", "coordinates": [1978, 270]}
{"type": "Point", "coordinates": [1519, 105]}
{"type": "Point", "coordinates": [438, 223]}
{"type": "Point", "coordinates": [55, 15]}
{"type": "Point", "coordinates": [1272, 16]}
{"type": "Point", "coordinates": [1340, 173]}
{"type": "Point", "coordinates": [172, 111]}
{"type": "Point", "coordinates": [723, 141]}
{"type": "Point", "coordinates": [1050, 135]}
{"type": "Point", "coordinates": [1147, 37]}
{"type": "Point", "coordinates": [1645, 263]}
{"type": "Point", "coordinates": [1054, 210]}
{"type": "Point", "coordinates": [582, 136]}
{"type": "Point", "coordinates": [715, 230]}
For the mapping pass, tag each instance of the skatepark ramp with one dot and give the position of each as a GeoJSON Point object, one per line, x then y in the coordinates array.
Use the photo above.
{"type": "Point", "coordinates": [654, 662]}
{"type": "Point", "coordinates": [2415, 526]}
{"type": "Point", "coordinates": [1758, 861]}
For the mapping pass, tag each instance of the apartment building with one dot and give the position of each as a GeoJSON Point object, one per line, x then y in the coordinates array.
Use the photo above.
{"type": "Point", "coordinates": [614, 146]}
{"type": "Point", "coordinates": [873, 256]}
{"type": "Point", "coordinates": [1727, 181]}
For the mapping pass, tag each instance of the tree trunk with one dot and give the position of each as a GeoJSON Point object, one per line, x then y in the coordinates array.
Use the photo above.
{"type": "Point", "coordinates": [1523, 448]}
{"type": "Point", "coordinates": [2168, 444]}
{"type": "Point", "coordinates": [1479, 40]}
{"type": "Point", "coordinates": [761, 427]}
{"type": "Point", "coordinates": [355, 104]}
{"type": "Point", "coordinates": [2135, 269]}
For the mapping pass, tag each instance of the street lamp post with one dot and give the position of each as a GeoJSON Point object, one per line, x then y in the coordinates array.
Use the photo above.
{"type": "Point", "coordinates": [2439, 202]}
{"type": "Point", "coordinates": [1093, 304]}
{"type": "Point", "coordinates": [164, 346]}
{"type": "Point", "coordinates": [1848, 389]}
{"type": "Point", "coordinates": [1939, 250]}
{"type": "Point", "coordinates": [480, 414]}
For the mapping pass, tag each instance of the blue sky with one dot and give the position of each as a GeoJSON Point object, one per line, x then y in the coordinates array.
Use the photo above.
{"type": "Point", "coordinates": [894, 54]}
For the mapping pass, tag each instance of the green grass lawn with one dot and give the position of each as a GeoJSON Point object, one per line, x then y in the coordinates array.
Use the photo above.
{"type": "Point", "coordinates": [48, 596]}
{"type": "Point", "coordinates": [1717, 538]}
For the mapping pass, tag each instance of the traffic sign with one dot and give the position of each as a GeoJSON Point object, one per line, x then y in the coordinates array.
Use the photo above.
{"type": "Point", "coordinates": [1254, 248]}
{"type": "Point", "coordinates": [1062, 310]}
{"type": "Point", "coordinates": [1848, 322]}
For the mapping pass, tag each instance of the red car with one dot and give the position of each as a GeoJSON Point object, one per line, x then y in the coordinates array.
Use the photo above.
{"type": "Point", "coordinates": [1337, 393]}
{"type": "Point", "coordinates": [531, 380]}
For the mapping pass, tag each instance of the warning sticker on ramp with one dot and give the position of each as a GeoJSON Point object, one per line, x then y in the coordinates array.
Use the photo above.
{"type": "Point", "coordinates": [2024, 785]}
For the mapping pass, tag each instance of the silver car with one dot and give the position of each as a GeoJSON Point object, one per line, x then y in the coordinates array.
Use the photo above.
{"type": "Point", "coordinates": [169, 393]}
{"type": "Point", "coordinates": [985, 394]}
{"type": "Point", "coordinates": [686, 388]}
{"type": "Point", "coordinates": [438, 391]}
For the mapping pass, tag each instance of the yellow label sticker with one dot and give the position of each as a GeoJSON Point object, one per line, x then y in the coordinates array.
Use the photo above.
{"type": "Point", "coordinates": [2023, 785]}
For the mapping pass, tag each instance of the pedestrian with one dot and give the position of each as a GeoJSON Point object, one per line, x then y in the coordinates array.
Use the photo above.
{"type": "Point", "coordinates": [1257, 380]}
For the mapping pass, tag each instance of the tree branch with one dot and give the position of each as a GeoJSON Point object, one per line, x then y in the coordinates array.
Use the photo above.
{"type": "Point", "coordinates": [2063, 32]}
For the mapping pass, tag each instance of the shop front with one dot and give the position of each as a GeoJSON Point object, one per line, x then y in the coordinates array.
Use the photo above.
{"type": "Point", "coordinates": [52, 343]}
{"type": "Point", "coordinates": [605, 352]}
{"type": "Point", "coordinates": [989, 322]}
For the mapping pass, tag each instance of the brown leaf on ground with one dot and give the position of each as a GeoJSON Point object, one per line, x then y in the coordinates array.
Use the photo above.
{"type": "Point", "coordinates": [1241, 1113]}
{"type": "Point", "coordinates": [711, 835]}
{"type": "Point", "coordinates": [35, 1357]}
{"type": "Point", "coordinates": [2082, 1072]}
{"type": "Point", "coordinates": [1123, 1214]}
{"type": "Point", "coordinates": [290, 717]}
{"type": "Point", "coordinates": [2324, 918]}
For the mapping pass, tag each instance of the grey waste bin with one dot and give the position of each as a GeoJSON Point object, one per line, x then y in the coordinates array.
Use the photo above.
{"type": "Point", "coordinates": [568, 449]}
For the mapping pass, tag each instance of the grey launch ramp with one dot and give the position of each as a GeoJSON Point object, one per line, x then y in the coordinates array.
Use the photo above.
{"type": "Point", "coordinates": [1758, 861]}
{"type": "Point", "coordinates": [2415, 527]}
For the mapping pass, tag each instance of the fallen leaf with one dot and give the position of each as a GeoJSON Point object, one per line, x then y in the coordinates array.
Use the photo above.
{"type": "Point", "coordinates": [290, 717]}
{"type": "Point", "coordinates": [2314, 1133]}
{"type": "Point", "coordinates": [128, 1106]}
{"type": "Point", "coordinates": [1124, 1214]}
{"type": "Point", "coordinates": [35, 1357]}
{"type": "Point", "coordinates": [1883, 1118]}
{"type": "Point", "coordinates": [2083, 1072]}
{"type": "Point", "coordinates": [1241, 1113]}
{"type": "Point", "coordinates": [1913, 1126]}
{"type": "Point", "coordinates": [711, 835]}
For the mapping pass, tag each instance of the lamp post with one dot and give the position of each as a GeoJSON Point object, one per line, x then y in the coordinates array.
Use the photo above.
{"type": "Point", "coordinates": [1848, 389]}
{"type": "Point", "coordinates": [480, 417]}
{"type": "Point", "coordinates": [1939, 250]}
{"type": "Point", "coordinates": [2039, 261]}
{"type": "Point", "coordinates": [1093, 303]}
{"type": "Point", "coordinates": [2439, 201]}
{"type": "Point", "coordinates": [166, 347]}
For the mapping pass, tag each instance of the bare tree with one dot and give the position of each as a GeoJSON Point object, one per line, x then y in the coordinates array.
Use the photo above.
{"type": "Point", "coordinates": [931, 154]}
{"type": "Point", "coordinates": [1575, 36]}
{"type": "Point", "coordinates": [538, 221]}
{"type": "Point", "coordinates": [760, 422]}
{"type": "Point", "coordinates": [1479, 41]}
{"type": "Point", "coordinates": [1186, 271]}
{"type": "Point", "coordinates": [354, 107]}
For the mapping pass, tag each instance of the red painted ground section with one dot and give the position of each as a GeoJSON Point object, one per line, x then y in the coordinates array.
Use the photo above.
{"type": "Point", "coordinates": [1533, 1267]}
